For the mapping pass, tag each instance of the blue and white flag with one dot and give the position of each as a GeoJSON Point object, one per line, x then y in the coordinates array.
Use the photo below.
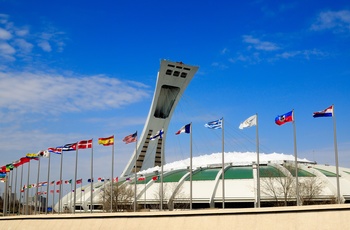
{"type": "Point", "coordinates": [159, 135]}
{"type": "Point", "coordinates": [214, 124]}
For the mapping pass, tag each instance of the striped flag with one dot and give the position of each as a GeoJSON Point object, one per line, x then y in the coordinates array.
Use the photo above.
{"type": "Point", "coordinates": [130, 138]}
{"type": "Point", "coordinates": [217, 124]}
{"type": "Point", "coordinates": [324, 113]}
{"type": "Point", "coordinates": [184, 129]}
{"type": "Point", "coordinates": [106, 141]}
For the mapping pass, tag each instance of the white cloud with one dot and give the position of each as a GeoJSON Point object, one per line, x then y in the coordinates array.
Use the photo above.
{"type": "Point", "coordinates": [305, 54]}
{"type": "Point", "coordinates": [23, 45]}
{"type": "Point", "coordinates": [338, 21]}
{"type": "Point", "coordinates": [5, 48]}
{"type": "Point", "coordinates": [259, 45]}
{"type": "Point", "coordinates": [28, 92]}
{"type": "Point", "coordinates": [4, 34]}
{"type": "Point", "coordinates": [45, 45]}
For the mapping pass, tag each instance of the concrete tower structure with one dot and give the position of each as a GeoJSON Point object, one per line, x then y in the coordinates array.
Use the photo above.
{"type": "Point", "coordinates": [173, 78]}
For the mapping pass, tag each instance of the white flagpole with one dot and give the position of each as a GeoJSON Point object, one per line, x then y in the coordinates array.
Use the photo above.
{"type": "Point", "coordinates": [48, 184]}
{"type": "Point", "coordinates": [4, 205]}
{"type": "Point", "coordinates": [258, 164]}
{"type": "Point", "coordinates": [162, 171]}
{"type": "Point", "coordinates": [336, 155]}
{"type": "Point", "coordinates": [36, 187]}
{"type": "Point", "coordinates": [15, 192]}
{"type": "Point", "coordinates": [75, 178]}
{"type": "Point", "coordinates": [92, 176]}
{"type": "Point", "coordinates": [112, 180]}
{"type": "Point", "coordinates": [60, 185]}
{"type": "Point", "coordinates": [296, 162]}
{"type": "Point", "coordinates": [20, 189]}
{"type": "Point", "coordinates": [223, 164]}
{"type": "Point", "coordinates": [27, 192]}
{"type": "Point", "coordinates": [135, 188]}
{"type": "Point", "coordinates": [53, 197]}
{"type": "Point", "coordinates": [191, 166]}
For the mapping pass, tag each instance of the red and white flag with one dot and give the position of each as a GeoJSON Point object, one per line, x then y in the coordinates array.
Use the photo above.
{"type": "Point", "coordinates": [86, 144]}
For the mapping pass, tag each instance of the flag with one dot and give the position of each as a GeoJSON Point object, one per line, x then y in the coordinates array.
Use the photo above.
{"type": "Point", "coordinates": [287, 117]}
{"type": "Point", "coordinates": [68, 181]}
{"type": "Point", "coordinates": [184, 129]}
{"type": "Point", "coordinates": [90, 180]}
{"type": "Point", "coordinates": [155, 178]}
{"type": "Point", "coordinates": [59, 182]}
{"type": "Point", "coordinates": [130, 138]}
{"type": "Point", "coordinates": [106, 141]}
{"type": "Point", "coordinates": [83, 190]}
{"type": "Point", "coordinates": [159, 135]}
{"type": "Point", "coordinates": [69, 147]}
{"type": "Point", "coordinates": [44, 183]}
{"type": "Point", "coordinates": [32, 155]}
{"type": "Point", "coordinates": [141, 178]}
{"type": "Point", "coordinates": [57, 191]}
{"type": "Point", "coordinates": [86, 144]}
{"type": "Point", "coordinates": [214, 124]}
{"type": "Point", "coordinates": [57, 150]}
{"type": "Point", "coordinates": [101, 179]}
{"type": "Point", "coordinates": [51, 191]}
{"type": "Point", "coordinates": [44, 153]}
{"type": "Point", "coordinates": [324, 113]}
{"type": "Point", "coordinates": [10, 167]}
{"type": "Point", "coordinates": [79, 181]}
{"type": "Point", "coordinates": [52, 182]}
{"type": "Point", "coordinates": [128, 179]}
{"type": "Point", "coordinates": [251, 121]}
{"type": "Point", "coordinates": [115, 179]}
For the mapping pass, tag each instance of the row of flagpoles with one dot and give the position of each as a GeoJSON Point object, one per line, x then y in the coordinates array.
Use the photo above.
{"type": "Point", "coordinates": [281, 120]}
{"type": "Point", "coordinates": [217, 124]}
{"type": "Point", "coordinates": [84, 144]}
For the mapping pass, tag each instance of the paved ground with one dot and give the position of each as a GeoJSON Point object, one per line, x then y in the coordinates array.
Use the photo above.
{"type": "Point", "coordinates": [305, 217]}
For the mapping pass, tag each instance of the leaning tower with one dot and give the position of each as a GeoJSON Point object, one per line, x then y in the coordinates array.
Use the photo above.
{"type": "Point", "coordinates": [172, 80]}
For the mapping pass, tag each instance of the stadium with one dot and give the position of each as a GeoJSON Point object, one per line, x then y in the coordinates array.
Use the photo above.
{"type": "Point", "coordinates": [160, 186]}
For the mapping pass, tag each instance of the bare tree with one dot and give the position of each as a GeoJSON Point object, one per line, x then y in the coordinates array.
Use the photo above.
{"type": "Point", "coordinates": [309, 189]}
{"type": "Point", "coordinates": [122, 197]}
{"type": "Point", "coordinates": [278, 185]}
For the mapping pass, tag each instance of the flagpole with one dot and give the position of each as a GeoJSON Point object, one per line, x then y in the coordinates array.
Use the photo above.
{"type": "Point", "coordinates": [48, 185]}
{"type": "Point", "coordinates": [162, 172]}
{"type": "Point", "coordinates": [75, 178]}
{"type": "Point", "coordinates": [258, 163]}
{"type": "Point", "coordinates": [27, 193]}
{"type": "Point", "coordinates": [70, 199]}
{"type": "Point", "coordinates": [135, 201]}
{"type": "Point", "coordinates": [191, 166]}
{"type": "Point", "coordinates": [112, 180]}
{"type": "Point", "coordinates": [20, 192]}
{"type": "Point", "coordinates": [10, 191]}
{"type": "Point", "coordinates": [336, 155]}
{"type": "Point", "coordinates": [53, 196]}
{"type": "Point", "coordinates": [223, 165]}
{"type": "Point", "coordinates": [36, 188]}
{"type": "Point", "coordinates": [296, 162]}
{"type": "Point", "coordinates": [4, 205]}
{"type": "Point", "coordinates": [60, 187]}
{"type": "Point", "coordinates": [15, 192]}
{"type": "Point", "coordinates": [92, 176]}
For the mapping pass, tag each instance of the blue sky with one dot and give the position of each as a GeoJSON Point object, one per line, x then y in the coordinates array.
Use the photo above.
{"type": "Point", "coordinates": [75, 70]}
